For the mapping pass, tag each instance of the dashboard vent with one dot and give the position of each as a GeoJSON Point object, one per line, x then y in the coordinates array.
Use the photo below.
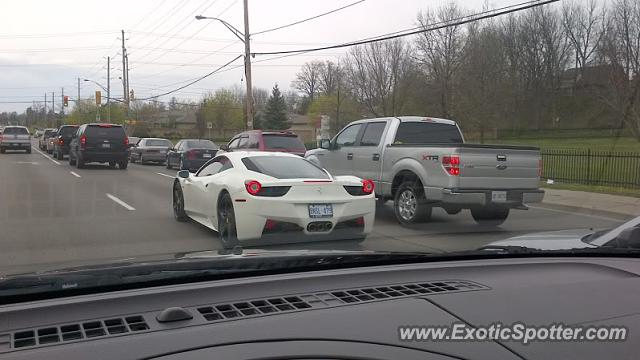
{"type": "Point", "coordinates": [78, 331]}
{"type": "Point", "coordinates": [257, 307]}
{"type": "Point", "coordinates": [254, 307]}
{"type": "Point", "coordinates": [393, 291]}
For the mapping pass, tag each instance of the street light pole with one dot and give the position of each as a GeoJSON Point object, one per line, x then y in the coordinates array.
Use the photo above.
{"type": "Point", "coordinates": [247, 57]}
{"type": "Point", "coordinates": [247, 67]}
{"type": "Point", "coordinates": [108, 89]}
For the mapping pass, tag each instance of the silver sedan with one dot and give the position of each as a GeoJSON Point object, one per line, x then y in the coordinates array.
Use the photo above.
{"type": "Point", "coordinates": [150, 150]}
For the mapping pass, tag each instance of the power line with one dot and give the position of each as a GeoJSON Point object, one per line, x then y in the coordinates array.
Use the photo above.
{"type": "Point", "coordinates": [149, 14]}
{"type": "Point", "coordinates": [57, 35]}
{"type": "Point", "coordinates": [177, 24]}
{"type": "Point", "coordinates": [163, 18]}
{"type": "Point", "coordinates": [470, 18]}
{"type": "Point", "coordinates": [196, 80]}
{"type": "Point", "coordinates": [308, 19]}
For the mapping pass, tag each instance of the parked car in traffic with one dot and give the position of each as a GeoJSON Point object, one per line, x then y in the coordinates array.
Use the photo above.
{"type": "Point", "coordinates": [62, 141]}
{"type": "Point", "coordinates": [15, 138]}
{"type": "Point", "coordinates": [259, 140]}
{"type": "Point", "coordinates": [191, 154]}
{"type": "Point", "coordinates": [102, 143]}
{"type": "Point", "coordinates": [46, 134]}
{"type": "Point", "coordinates": [150, 150]}
{"type": "Point", "coordinates": [422, 163]}
{"type": "Point", "coordinates": [247, 195]}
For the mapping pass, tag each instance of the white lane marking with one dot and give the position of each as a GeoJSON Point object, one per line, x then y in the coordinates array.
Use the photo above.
{"type": "Point", "coordinates": [47, 156]}
{"type": "Point", "coordinates": [74, 174]}
{"type": "Point", "coordinates": [120, 202]}
{"type": "Point", "coordinates": [27, 162]}
{"type": "Point", "coordinates": [574, 213]}
{"type": "Point", "coordinates": [169, 176]}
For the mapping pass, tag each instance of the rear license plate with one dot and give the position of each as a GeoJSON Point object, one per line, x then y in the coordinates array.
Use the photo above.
{"type": "Point", "coordinates": [106, 146]}
{"type": "Point", "coordinates": [206, 156]}
{"type": "Point", "coordinates": [498, 196]}
{"type": "Point", "coordinates": [320, 210]}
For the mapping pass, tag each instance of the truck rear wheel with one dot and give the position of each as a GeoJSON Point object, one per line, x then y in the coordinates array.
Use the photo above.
{"type": "Point", "coordinates": [410, 204]}
{"type": "Point", "coordinates": [492, 216]}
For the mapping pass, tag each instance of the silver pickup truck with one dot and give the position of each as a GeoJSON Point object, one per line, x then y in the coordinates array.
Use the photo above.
{"type": "Point", "coordinates": [422, 163]}
{"type": "Point", "coordinates": [15, 138]}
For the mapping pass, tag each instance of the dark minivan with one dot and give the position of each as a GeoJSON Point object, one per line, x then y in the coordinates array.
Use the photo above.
{"type": "Point", "coordinates": [103, 143]}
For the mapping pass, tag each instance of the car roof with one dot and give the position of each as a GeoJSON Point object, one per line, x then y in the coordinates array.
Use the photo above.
{"type": "Point", "coordinates": [150, 138]}
{"type": "Point", "coordinates": [15, 126]}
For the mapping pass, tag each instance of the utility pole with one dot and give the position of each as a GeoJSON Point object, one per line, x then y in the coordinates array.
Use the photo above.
{"type": "Point", "coordinates": [53, 107]}
{"type": "Point", "coordinates": [62, 103]}
{"type": "Point", "coordinates": [78, 99]}
{"type": "Point", "coordinates": [46, 114]}
{"type": "Point", "coordinates": [125, 79]}
{"type": "Point", "coordinates": [247, 66]}
{"type": "Point", "coordinates": [108, 89]}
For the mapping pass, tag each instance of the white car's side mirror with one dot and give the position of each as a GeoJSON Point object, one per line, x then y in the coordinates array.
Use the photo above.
{"type": "Point", "coordinates": [184, 174]}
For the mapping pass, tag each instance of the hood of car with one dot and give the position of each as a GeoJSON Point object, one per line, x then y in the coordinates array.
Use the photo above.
{"type": "Point", "coordinates": [554, 240]}
{"type": "Point", "coordinates": [97, 264]}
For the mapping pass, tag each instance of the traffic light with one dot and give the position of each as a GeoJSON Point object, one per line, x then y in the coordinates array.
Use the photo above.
{"type": "Point", "coordinates": [98, 98]}
{"type": "Point", "coordinates": [65, 101]}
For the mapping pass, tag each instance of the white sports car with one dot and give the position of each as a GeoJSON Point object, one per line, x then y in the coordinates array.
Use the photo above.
{"type": "Point", "coordinates": [253, 195]}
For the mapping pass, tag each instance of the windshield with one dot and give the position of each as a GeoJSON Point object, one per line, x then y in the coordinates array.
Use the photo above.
{"type": "Point", "coordinates": [284, 167]}
{"type": "Point", "coordinates": [15, 131]}
{"type": "Point", "coordinates": [427, 132]}
{"type": "Point", "coordinates": [407, 126]}
{"type": "Point", "coordinates": [200, 144]}
{"type": "Point", "coordinates": [282, 142]}
{"type": "Point", "coordinates": [101, 132]}
{"type": "Point", "coordinates": [158, 142]}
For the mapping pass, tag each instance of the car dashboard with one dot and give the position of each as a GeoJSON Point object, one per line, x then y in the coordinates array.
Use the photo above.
{"type": "Point", "coordinates": [343, 313]}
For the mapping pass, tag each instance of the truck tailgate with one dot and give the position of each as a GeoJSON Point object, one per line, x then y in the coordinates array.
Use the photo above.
{"type": "Point", "coordinates": [497, 167]}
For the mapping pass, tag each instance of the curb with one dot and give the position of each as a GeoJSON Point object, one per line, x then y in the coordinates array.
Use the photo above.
{"type": "Point", "coordinates": [612, 215]}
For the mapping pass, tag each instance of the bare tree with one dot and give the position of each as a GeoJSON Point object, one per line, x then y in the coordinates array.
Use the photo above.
{"type": "Point", "coordinates": [584, 27]}
{"type": "Point", "coordinates": [308, 79]}
{"type": "Point", "coordinates": [379, 75]}
{"type": "Point", "coordinates": [440, 52]}
{"type": "Point", "coordinates": [621, 49]}
{"type": "Point", "coordinates": [330, 77]}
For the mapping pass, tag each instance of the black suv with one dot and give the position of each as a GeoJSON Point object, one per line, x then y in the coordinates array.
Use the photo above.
{"type": "Point", "coordinates": [103, 143]}
{"type": "Point", "coordinates": [61, 142]}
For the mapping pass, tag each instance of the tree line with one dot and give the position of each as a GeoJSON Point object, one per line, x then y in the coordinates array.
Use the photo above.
{"type": "Point", "coordinates": [572, 65]}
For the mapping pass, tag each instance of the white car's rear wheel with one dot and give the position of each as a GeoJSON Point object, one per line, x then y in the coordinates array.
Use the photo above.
{"type": "Point", "coordinates": [178, 204]}
{"type": "Point", "coordinates": [227, 222]}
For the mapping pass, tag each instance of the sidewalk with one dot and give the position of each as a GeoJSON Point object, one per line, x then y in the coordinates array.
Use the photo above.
{"type": "Point", "coordinates": [593, 202]}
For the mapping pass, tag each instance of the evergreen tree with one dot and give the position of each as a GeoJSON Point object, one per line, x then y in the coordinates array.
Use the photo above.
{"type": "Point", "coordinates": [275, 117]}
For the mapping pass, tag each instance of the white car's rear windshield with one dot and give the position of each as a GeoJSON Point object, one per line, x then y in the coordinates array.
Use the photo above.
{"type": "Point", "coordinates": [427, 133]}
{"type": "Point", "coordinates": [281, 167]}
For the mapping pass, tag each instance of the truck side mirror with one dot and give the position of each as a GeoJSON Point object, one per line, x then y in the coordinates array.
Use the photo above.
{"type": "Point", "coordinates": [325, 144]}
{"type": "Point", "coordinates": [224, 147]}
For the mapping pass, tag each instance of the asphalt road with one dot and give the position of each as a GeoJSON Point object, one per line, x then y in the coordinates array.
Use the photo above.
{"type": "Point", "coordinates": [51, 212]}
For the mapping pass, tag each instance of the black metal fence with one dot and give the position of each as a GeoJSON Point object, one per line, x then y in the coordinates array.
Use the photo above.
{"type": "Point", "coordinates": [587, 167]}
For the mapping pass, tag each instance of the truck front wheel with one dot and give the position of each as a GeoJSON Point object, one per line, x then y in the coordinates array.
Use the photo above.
{"type": "Point", "coordinates": [492, 216]}
{"type": "Point", "coordinates": [410, 204]}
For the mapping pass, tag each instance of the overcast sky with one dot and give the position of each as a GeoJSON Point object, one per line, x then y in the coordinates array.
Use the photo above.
{"type": "Point", "coordinates": [47, 45]}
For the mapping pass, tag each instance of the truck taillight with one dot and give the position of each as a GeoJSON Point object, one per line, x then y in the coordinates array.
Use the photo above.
{"type": "Point", "coordinates": [540, 168]}
{"type": "Point", "coordinates": [83, 141]}
{"type": "Point", "coordinates": [126, 141]}
{"type": "Point", "coordinates": [191, 154]}
{"type": "Point", "coordinates": [60, 141]}
{"type": "Point", "coordinates": [451, 164]}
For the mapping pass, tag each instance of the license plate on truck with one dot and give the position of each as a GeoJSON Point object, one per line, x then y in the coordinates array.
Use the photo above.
{"type": "Point", "coordinates": [206, 156]}
{"type": "Point", "coordinates": [498, 196]}
{"type": "Point", "coordinates": [106, 146]}
{"type": "Point", "coordinates": [320, 210]}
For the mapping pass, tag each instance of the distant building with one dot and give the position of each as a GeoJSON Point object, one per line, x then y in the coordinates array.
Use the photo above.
{"type": "Point", "coordinates": [590, 79]}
